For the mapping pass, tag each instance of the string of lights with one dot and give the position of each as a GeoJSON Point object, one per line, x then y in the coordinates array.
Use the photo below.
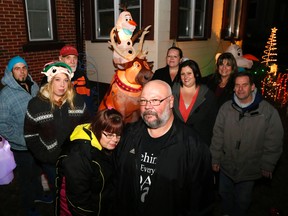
{"type": "Point", "coordinates": [274, 84]}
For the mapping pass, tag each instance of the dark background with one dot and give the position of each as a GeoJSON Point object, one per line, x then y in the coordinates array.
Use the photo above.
{"type": "Point", "coordinates": [262, 15]}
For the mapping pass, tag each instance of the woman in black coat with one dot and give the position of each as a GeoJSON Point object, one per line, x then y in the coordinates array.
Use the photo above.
{"type": "Point", "coordinates": [194, 103]}
{"type": "Point", "coordinates": [85, 183]}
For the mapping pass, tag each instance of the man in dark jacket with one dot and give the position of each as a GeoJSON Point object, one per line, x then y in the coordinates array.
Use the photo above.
{"type": "Point", "coordinates": [69, 55]}
{"type": "Point", "coordinates": [163, 166]}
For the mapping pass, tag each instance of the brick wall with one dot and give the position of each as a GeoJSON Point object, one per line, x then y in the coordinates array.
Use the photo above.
{"type": "Point", "coordinates": [13, 34]}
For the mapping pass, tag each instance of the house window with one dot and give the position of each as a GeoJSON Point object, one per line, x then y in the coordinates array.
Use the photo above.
{"type": "Point", "coordinates": [191, 19]}
{"type": "Point", "coordinates": [107, 12]}
{"type": "Point", "coordinates": [234, 15]}
{"type": "Point", "coordinates": [39, 20]}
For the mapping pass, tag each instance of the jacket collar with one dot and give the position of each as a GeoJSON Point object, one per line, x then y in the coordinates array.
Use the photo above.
{"type": "Point", "coordinates": [199, 100]}
{"type": "Point", "coordinates": [83, 132]}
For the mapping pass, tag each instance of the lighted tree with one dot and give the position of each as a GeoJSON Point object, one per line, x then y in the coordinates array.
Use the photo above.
{"type": "Point", "coordinates": [269, 83]}
{"type": "Point", "coordinates": [270, 54]}
{"type": "Point", "coordinates": [274, 85]}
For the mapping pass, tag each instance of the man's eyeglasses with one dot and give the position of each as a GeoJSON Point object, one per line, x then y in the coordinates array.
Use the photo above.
{"type": "Point", "coordinates": [153, 102]}
{"type": "Point", "coordinates": [110, 135]}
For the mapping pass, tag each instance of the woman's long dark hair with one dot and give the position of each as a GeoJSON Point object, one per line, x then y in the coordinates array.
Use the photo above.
{"type": "Point", "coordinates": [231, 61]}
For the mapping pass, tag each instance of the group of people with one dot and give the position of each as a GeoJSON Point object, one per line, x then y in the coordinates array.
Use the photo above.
{"type": "Point", "coordinates": [243, 131]}
{"type": "Point", "coordinates": [164, 164]}
{"type": "Point", "coordinates": [38, 121]}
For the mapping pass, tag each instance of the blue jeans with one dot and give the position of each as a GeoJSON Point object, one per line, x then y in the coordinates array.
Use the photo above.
{"type": "Point", "coordinates": [28, 178]}
{"type": "Point", "coordinates": [235, 197]}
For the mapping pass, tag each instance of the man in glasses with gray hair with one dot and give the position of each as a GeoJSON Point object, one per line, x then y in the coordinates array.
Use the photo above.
{"type": "Point", "coordinates": [163, 167]}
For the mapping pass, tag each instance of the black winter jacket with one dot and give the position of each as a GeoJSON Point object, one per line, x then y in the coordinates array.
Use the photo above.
{"type": "Point", "coordinates": [45, 130]}
{"type": "Point", "coordinates": [212, 83]}
{"type": "Point", "coordinates": [182, 180]}
{"type": "Point", "coordinates": [89, 176]}
{"type": "Point", "coordinates": [203, 114]}
{"type": "Point", "coordinates": [164, 75]}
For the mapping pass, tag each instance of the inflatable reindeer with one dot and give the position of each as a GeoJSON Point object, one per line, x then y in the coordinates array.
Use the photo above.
{"type": "Point", "coordinates": [133, 71]}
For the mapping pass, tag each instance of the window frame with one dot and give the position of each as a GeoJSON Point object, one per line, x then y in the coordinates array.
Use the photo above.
{"type": "Point", "coordinates": [230, 14]}
{"type": "Point", "coordinates": [145, 20]}
{"type": "Point", "coordinates": [174, 26]}
{"type": "Point", "coordinates": [28, 11]}
{"type": "Point", "coordinates": [115, 9]}
{"type": "Point", "coordinates": [40, 45]}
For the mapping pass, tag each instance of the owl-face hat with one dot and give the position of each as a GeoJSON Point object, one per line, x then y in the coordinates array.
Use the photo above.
{"type": "Point", "coordinates": [53, 68]}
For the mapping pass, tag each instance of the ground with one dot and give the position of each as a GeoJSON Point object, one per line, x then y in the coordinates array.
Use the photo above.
{"type": "Point", "coordinates": [267, 194]}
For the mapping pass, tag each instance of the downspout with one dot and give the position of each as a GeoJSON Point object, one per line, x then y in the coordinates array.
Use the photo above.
{"type": "Point", "coordinates": [79, 27]}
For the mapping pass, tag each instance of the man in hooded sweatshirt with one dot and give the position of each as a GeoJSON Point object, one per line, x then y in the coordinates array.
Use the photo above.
{"type": "Point", "coordinates": [18, 89]}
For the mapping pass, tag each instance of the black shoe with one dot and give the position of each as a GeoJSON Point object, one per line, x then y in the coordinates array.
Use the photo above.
{"type": "Point", "coordinates": [33, 212]}
{"type": "Point", "coordinates": [46, 198]}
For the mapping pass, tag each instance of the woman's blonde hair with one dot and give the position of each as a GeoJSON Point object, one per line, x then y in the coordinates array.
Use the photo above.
{"type": "Point", "coordinates": [46, 93]}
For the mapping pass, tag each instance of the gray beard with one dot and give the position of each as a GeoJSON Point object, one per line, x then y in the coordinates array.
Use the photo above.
{"type": "Point", "coordinates": [158, 122]}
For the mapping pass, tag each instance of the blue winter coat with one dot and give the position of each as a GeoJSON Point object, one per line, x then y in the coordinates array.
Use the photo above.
{"type": "Point", "coordinates": [13, 105]}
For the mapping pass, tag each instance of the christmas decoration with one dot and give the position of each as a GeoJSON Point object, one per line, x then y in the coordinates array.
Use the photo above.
{"type": "Point", "coordinates": [282, 91]}
{"type": "Point", "coordinates": [132, 69]}
{"type": "Point", "coordinates": [259, 72]}
{"type": "Point", "coordinates": [237, 52]}
{"type": "Point", "coordinates": [274, 84]}
{"type": "Point", "coordinates": [123, 31]}
{"type": "Point", "coordinates": [269, 54]}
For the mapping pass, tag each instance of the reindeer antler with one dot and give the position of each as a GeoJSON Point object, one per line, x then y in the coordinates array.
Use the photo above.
{"type": "Point", "coordinates": [142, 54]}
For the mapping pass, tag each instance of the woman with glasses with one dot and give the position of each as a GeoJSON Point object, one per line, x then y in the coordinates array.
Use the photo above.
{"type": "Point", "coordinates": [194, 103]}
{"type": "Point", "coordinates": [51, 117]}
{"type": "Point", "coordinates": [85, 168]}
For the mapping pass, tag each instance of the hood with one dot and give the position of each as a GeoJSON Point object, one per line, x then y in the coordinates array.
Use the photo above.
{"type": "Point", "coordinates": [80, 133]}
